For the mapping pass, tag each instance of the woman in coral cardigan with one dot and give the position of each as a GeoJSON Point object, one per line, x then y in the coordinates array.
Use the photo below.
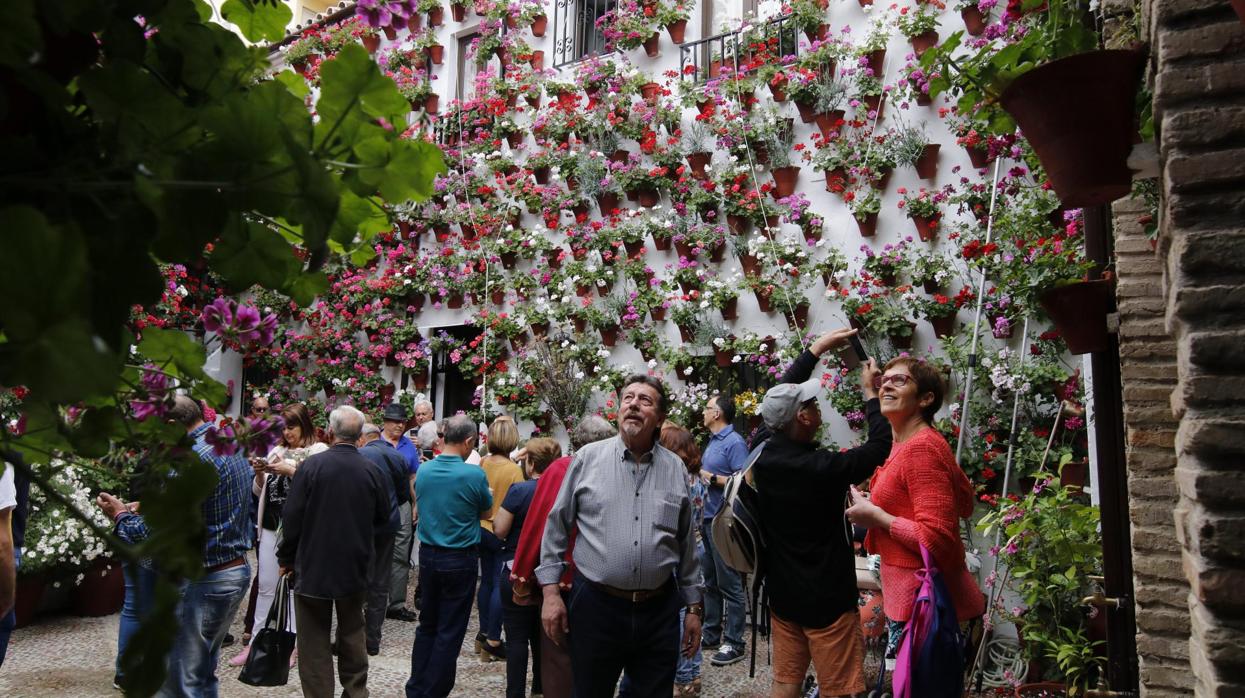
{"type": "Point", "coordinates": [917, 497]}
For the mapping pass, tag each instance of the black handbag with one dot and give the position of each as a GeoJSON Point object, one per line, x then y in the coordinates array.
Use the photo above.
{"type": "Point", "coordinates": [268, 664]}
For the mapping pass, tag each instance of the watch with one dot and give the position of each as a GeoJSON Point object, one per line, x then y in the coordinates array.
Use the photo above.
{"type": "Point", "coordinates": [696, 609]}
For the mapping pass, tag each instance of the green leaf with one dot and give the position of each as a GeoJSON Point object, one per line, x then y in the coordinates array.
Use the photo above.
{"type": "Point", "coordinates": [42, 438]}
{"type": "Point", "coordinates": [294, 83]}
{"type": "Point", "coordinates": [250, 253]}
{"type": "Point", "coordinates": [65, 362]}
{"type": "Point", "coordinates": [20, 37]}
{"type": "Point", "coordinates": [136, 106]}
{"type": "Point", "coordinates": [401, 170]}
{"type": "Point", "coordinates": [258, 19]}
{"type": "Point", "coordinates": [306, 286]}
{"type": "Point", "coordinates": [174, 351]}
{"type": "Point", "coordinates": [358, 220]}
{"type": "Point", "coordinates": [352, 87]}
{"type": "Point", "coordinates": [96, 431]}
{"type": "Point", "coordinates": [42, 270]}
{"type": "Point", "coordinates": [362, 255]}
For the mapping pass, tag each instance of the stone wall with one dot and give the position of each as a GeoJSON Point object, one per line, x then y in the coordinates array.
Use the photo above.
{"type": "Point", "coordinates": [1198, 54]}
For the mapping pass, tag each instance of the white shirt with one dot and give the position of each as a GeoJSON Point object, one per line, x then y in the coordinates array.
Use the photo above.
{"type": "Point", "coordinates": [8, 488]}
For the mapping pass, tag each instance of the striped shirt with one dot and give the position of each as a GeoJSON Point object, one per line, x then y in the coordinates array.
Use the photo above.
{"type": "Point", "coordinates": [227, 512]}
{"type": "Point", "coordinates": [634, 517]}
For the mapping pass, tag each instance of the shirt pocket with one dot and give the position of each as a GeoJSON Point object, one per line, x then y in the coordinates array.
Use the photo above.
{"type": "Point", "coordinates": [666, 516]}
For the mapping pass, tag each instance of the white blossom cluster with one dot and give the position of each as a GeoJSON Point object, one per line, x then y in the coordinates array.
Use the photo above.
{"type": "Point", "coordinates": [54, 539]}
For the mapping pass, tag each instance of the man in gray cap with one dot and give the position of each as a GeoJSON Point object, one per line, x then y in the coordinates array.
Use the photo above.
{"type": "Point", "coordinates": [811, 578]}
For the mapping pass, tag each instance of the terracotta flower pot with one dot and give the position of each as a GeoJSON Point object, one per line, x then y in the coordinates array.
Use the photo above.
{"type": "Point", "coordinates": [785, 180]}
{"type": "Point", "coordinates": [751, 265]}
{"type": "Point", "coordinates": [685, 333]}
{"type": "Point", "coordinates": [648, 198]}
{"type": "Point", "coordinates": [432, 104]}
{"type": "Point", "coordinates": [677, 31]}
{"type": "Point", "coordinates": [930, 286]}
{"type": "Point", "coordinates": [436, 16]}
{"type": "Point", "coordinates": [901, 341]}
{"type": "Point", "coordinates": [817, 33]}
{"type": "Point", "coordinates": [836, 181]}
{"type": "Point", "coordinates": [877, 61]}
{"type": "Point", "coordinates": [650, 45]}
{"type": "Point", "coordinates": [927, 228]}
{"type": "Point", "coordinates": [865, 3]}
{"type": "Point", "coordinates": [778, 91]}
{"type": "Point", "coordinates": [923, 42]}
{"type": "Point", "coordinates": [609, 336]}
{"type": "Point", "coordinates": [698, 161]}
{"type": "Point", "coordinates": [1077, 113]}
{"type": "Point", "coordinates": [978, 155]}
{"type": "Point", "coordinates": [539, 24]}
{"type": "Point", "coordinates": [874, 103]}
{"type": "Point", "coordinates": [454, 301]}
{"type": "Point", "coordinates": [722, 357]}
{"type": "Point", "coordinates": [658, 313]}
{"type": "Point", "coordinates": [868, 226]}
{"type": "Point", "coordinates": [606, 203]}
{"type": "Point", "coordinates": [730, 309]}
{"type": "Point", "coordinates": [827, 121]}
{"type": "Point", "coordinates": [420, 379]}
{"type": "Point", "coordinates": [650, 91]}
{"type": "Point", "coordinates": [763, 301]}
{"type": "Point", "coordinates": [1073, 474]}
{"type": "Point", "coordinates": [807, 111]}
{"type": "Point", "coordinates": [538, 60]}
{"type": "Point", "coordinates": [798, 319]}
{"type": "Point", "coordinates": [974, 21]}
{"type": "Point", "coordinates": [102, 590]}
{"type": "Point", "coordinates": [661, 244]}
{"type": "Point", "coordinates": [371, 43]}
{"type": "Point", "coordinates": [1079, 311]}
{"type": "Point", "coordinates": [927, 165]}
{"type": "Point", "coordinates": [943, 326]}
{"type": "Point", "coordinates": [458, 12]}
{"type": "Point", "coordinates": [436, 53]}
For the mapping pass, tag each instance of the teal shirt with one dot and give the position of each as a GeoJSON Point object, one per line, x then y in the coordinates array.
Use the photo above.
{"type": "Point", "coordinates": [450, 493]}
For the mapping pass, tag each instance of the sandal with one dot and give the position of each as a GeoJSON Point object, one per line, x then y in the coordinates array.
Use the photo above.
{"type": "Point", "coordinates": [688, 689]}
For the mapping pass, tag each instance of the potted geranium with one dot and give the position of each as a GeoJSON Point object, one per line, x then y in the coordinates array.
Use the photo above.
{"type": "Point", "coordinates": [673, 15]}
{"type": "Point", "coordinates": [920, 24]}
{"type": "Point", "coordinates": [924, 208]}
{"type": "Point", "coordinates": [865, 205]}
{"type": "Point", "coordinates": [629, 25]}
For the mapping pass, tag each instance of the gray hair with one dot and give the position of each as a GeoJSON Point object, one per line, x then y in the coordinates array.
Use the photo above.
{"type": "Point", "coordinates": [590, 429]}
{"type": "Point", "coordinates": [346, 423]}
{"type": "Point", "coordinates": [421, 403]}
{"type": "Point", "coordinates": [427, 435]}
{"type": "Point", "coordinates": [185, 411]}
{"type": "Point", "coordinates": [369, 428]}
{"type": "Point", "coordinates": [460, 429]}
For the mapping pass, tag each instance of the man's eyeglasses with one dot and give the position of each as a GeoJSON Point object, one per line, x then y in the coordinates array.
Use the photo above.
{"type": "Point", "coordinates": [255, 409]}
{"type": "Point", "coordinates": [898, 379]}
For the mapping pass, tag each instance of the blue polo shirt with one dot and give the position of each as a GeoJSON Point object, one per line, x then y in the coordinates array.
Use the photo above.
{"type": "Point", "coordinates": [450, 493]}
{"type": "Point", "coordinates": [726, 454]}
{"type": "Point", "coordinates": [410, 453]}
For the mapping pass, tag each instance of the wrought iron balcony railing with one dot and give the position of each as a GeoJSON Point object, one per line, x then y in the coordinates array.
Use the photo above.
{"type": "Point", "coordinates": [733, 49]}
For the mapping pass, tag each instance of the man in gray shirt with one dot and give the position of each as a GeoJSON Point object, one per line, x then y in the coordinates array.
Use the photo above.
{"type": "Point", "coordinates": [635, 555]}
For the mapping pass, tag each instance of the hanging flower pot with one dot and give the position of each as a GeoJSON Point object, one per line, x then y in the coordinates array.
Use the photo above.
{"type": "Point", "coordinates": [540, 329]}
{"type": "Point", "coordinates": [943, 326]}
{"type": "Point", "coordinates": [539, 24]}
{"type": "Point", "coordinates": [436, 16]}
{"type": "Point", "coordinates": [391, 33]}
{"type": "Point", "coordinates": [454, 301]}
{"type": "Point", "coordinates": [717, 252]}
{"type": "Point", "coordinates": [1077, 113]}
{"type": "Point", "coordinates": [763, 300]}
{"type": "Point", "coordinates": [927, 165]}
{"type": "Point", "coordinates": [514, 140]}
{"type": "Point", "coordinates": [657, 312]}
{"type": "Point", "coordinates": [603, 290]}
{"type": "Point", "coordinates": [580, 324]}
{"type": "Point", "coordinates": [978, 155]}
{"type": "Point", "coordinates": [432, 103]}
{"type": "Point", "coordinates": [730, 309]}
{"type": "Point", "coordinates": [817, 33]}
{"type": "Point", "coordinates": [868, 225]}
{"type": "Point", "coordinates": [102, 590]}
{"type": "Point", "coordinates": [778, 91]}
{"type": "Point", "coordinates": [537, 61]}
{"type": "Point", "coordinates": [798, 319]}
{"type": "Point", "coordinates": [923, 42]}
{"type": "Point", "coordinates": [751, 265]}
{"type": "Point", "coordinates": [685, 333]}
{"type": "Point", "coordinates": [930, 286]}
{"type": "Point", "coordinates": [698, 161]}
{"type": "Point", "coordinates": [436, 53]}
{"type": "Point", "coordinates": [927, 228]}
{"type": "Point", "coordinates": [828, 121]}
{"type": "Point", "coordinates": [722, 357]}
{"type": "Point", "coordinates": [902, 341]}
{"type": "Point", "coordinates": [784, 180]}
{"type": "Point", "coordinates": [865, 3]}
{"type": "Point", "coordinates": [836, 180]}
{"type": "Point", "coordinates": [873, 105]}
{"type": "Point", "coordinates": [609, 336]}
{"type": "Point", "coordinates": [879, 180]}
{"type": "Point", "coordinates": [420, 380]}
{"type": "Point", "coordinates": [607, 202]}
{"type": "Point", "coordinates": [715, 68]}
{"type": "Point", "coordinates": [877, 61]}
{"type": "Point", "coordinates": [620, 156]}
{"type": "Point", "coordinates": [677, 31]}
{"type": "Point", "coordinates": [1079, 311]}
{"type": "Point", "coordinates": [458, 12]}
{"type": "Point", "coordinates": [648, 198]}
{"type": "Point", "coordinates": [541, 174]}
{"type": "Point", "coordinates": [807, 111]}
{"type": "Point", "coordinates": [974, 21]}
{"type": "Point", "coordinates": [661, 243]}
{"type": "Point", "coordinates": [683, 249]}
{"type": "Point", "coordinates": [650, 91]}
{"type": "Point", "coordinates": [650, 45]}
{"type": "Point", "coordinates": [371, 42]}
{"type": "Point", "coordinates": [812, 233]}
{"type": "Point", "coordinates": [508, 260]}
{"type": "Point", "coordinates": [1073, 474]}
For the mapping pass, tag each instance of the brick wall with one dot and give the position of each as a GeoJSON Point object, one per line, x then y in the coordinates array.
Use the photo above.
{"type": "Point", "coordinates": [1198, 62]}
{"type": "Point", "coordinates": [1148, 372]}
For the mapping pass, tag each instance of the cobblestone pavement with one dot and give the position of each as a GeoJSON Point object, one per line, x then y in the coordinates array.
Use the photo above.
{"type": "Point", "coordinates": [68, 656]}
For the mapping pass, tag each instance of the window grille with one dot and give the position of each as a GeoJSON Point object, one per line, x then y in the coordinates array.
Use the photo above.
{"type": "Point", "coordinates": [575, 32]}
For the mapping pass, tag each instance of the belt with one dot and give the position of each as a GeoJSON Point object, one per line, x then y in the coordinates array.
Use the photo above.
{"type": "Point", "coordinates": [225, 565]}
{"type": "Point", "coordinates": [633, 595]}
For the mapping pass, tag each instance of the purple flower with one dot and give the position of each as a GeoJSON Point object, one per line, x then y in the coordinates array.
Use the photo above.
{"type": "Point", "coordinates": [376, 12]}
{"type": "Point", "coordinates": [240, 323]}
{"type": "Point", "coordinates": [222, 440]}
{"type": "Point", "coordinates": [262, 434]}
{"type": "Point", "coordinates": [155, 389]}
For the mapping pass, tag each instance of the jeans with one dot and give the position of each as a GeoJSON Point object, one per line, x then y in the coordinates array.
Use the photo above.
{"type": "Point", "coordinates": [400, 574]}
{"type": "Point", "coordinates": [378, 589]}
{"type": "Point", "coordinates": [207, 607]}
{"type": "Point", "coordinates": [522, 630]}
{"type": "Point", "coordinates": [9, 621]}
{"type": "Point", "coordinates": [488, 598]}
{"type": "Point", "coordinates": [610, 635]}
{"type": "Point", "coordinates": [140, 590]}
{"type": "Point", "coordinates": [447, 577]}
{"type": "Point", "coordinates": [723, 586]}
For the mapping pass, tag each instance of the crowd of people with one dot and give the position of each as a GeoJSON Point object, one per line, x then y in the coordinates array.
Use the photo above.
{"type": "Point", "coordinates": [597, 568]}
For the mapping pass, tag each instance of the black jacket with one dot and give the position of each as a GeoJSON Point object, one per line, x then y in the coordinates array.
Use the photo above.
{"type": "Point", "coordinates": [337, 504]}
{"type": "Point", "coordinates": [397, 483]}
{"type": "Point", "coordinates": [810, 574]}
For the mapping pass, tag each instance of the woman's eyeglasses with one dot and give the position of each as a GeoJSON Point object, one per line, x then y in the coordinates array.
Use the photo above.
{"type": "Point", "coordinates": [898, 379]}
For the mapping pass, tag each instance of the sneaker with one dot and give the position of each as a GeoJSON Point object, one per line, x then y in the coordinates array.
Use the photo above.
{"type": "Point", "coordinates": [726, 655]}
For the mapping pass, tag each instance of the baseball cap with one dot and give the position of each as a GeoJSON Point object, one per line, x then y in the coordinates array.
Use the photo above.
{"type": "Point", "coordinates": [783, 400]}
